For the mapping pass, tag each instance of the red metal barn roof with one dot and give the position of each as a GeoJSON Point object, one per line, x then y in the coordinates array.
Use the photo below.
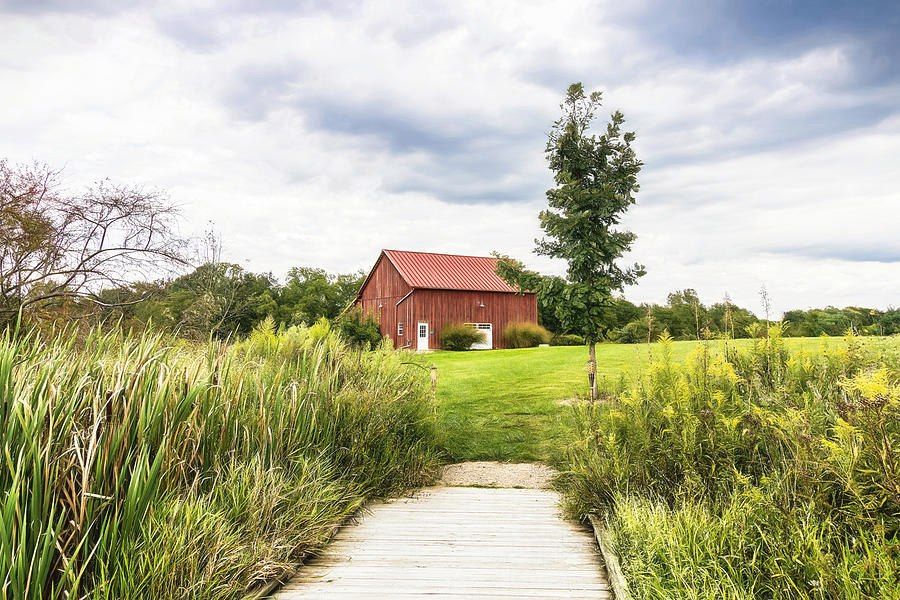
{"type": "Point", "coordinates": [448, 271]}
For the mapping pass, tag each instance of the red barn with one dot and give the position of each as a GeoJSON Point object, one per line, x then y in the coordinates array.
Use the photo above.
{"type": "Point", "coordinates": [414, 294]}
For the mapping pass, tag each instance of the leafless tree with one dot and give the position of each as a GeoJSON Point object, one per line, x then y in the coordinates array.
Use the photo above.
{"type": "Point", "coordinates": [54, 244]}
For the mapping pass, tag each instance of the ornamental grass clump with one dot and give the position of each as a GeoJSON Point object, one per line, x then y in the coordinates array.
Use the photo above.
{"type": "Point", "coordinates": [525, 335]}
{"type": "Point", "coordinates": [755, 474]}
{"type": "Point", "coordinates": [456, 336]}
{"type": "Point", "coordinates": [143, 467]}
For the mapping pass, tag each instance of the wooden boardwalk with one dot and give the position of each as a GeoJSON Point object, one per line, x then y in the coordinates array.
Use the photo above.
{"type": "Point", "coordinates": [458, 542]}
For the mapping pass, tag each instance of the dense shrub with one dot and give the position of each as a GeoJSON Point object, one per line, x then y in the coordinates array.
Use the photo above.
{"type": "Point", "coordinates": [138, 467]}
{"type": "Point", "coordinates": [751, 475]}
{"type": "Point", "coordinates": [636, 332]}
{"type": "Point", "coordinates": [525, 335]}
{"type": "Point", "coordinates": [566, 339]}
{"type": "Point", "coordinates": [456, 336]}
{"type": "Point", "coordinates": [359, 328]}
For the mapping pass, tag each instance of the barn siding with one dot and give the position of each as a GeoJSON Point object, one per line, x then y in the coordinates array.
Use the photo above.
{"type": "Point", "coordinates": [439, 307]}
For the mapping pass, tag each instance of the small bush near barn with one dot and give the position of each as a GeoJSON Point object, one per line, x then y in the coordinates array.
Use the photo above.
{"type": "Point", "coordinates": [359, 328]}
{"type": "Point", "coordinates": [566, 339]}
{"type": "Point", "coordinates": [456, 336]}
{"type": "Point", "coordinates": [757, 474]}
{"type": "Point", "coordinates": [525, 335]}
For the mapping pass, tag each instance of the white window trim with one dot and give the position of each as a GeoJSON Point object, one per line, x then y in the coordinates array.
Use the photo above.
{"type": "Point", "coordinates": [400, 328]}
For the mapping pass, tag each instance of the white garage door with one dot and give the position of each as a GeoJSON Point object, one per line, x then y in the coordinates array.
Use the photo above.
{"type": "Point", "coordinates": [488, 330]}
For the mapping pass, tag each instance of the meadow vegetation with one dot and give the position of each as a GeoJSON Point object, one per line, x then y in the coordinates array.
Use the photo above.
{"type": "Point", "coordinates": [148, 467]}
{"type": "Point", "coordinates": [750, 473]}
{"type": "Point", "coordinates": [518, 404]}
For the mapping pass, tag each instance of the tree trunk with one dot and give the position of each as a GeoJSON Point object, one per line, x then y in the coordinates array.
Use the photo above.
{"type": "Point", "coordinates": [592, 369]}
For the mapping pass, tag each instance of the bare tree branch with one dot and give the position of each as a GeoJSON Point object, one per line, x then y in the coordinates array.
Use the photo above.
{"type": "Point", "coordinates": [56, 245]}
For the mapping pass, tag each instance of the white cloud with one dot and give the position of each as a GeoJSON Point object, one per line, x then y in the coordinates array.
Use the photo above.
{"type": "Point", "coordinates": [318, 138]}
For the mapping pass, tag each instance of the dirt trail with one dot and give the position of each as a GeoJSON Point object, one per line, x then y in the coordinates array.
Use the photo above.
{"type": "Point", "coordinates": [498, 475]}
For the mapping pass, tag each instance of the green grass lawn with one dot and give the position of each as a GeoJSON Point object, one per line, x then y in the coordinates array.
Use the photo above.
{"type": "Point", "coordinates": [512, 404]}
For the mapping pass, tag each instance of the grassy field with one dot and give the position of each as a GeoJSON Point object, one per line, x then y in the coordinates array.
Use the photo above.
{"type": "Point", "coordinates": [515, 404]}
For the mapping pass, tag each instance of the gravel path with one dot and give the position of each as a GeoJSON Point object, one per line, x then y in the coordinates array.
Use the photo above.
{"type": "Point", "coordinates": [498, 475]}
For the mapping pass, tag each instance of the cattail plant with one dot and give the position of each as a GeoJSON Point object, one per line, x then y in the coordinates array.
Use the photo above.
{"type": "Point", "coordinates": [142, 466]}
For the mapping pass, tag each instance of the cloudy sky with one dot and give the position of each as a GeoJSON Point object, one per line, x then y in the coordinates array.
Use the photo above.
{"type": "Point", "coordinates": [316, 133]}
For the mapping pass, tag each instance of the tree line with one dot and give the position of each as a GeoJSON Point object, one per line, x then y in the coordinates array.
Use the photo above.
{"type": "Point", "coordinates": [684, 317]}
{"type": "Point", "coordinates": [110, 254]}
{"type": "Point", "coordinates": [224, 300]}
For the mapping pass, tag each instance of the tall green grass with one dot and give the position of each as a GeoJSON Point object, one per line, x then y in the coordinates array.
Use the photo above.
{"type": "Point", "coordinates": [142, 467]}
{"type": "Point", "coordinates": [751, 474]}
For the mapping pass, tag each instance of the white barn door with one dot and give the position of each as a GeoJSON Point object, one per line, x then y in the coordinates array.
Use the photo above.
{"type": "Point", "coordinates": [422, 336]}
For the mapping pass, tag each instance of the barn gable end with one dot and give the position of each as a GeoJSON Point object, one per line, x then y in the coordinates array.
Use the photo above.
{"type": "Point", "coordinates": [381, 291]}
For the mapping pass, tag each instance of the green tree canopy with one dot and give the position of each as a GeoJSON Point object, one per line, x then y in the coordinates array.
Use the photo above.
{"type": "Point", "coordinates": [311, 293]}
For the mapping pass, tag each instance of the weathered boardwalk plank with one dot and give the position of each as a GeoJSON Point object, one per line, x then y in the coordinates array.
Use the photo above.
{"type": "Point", "coordinates": [448, 542]}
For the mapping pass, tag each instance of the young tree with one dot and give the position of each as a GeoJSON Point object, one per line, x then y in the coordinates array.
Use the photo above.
{"type": "Point", "coordinates": [596, 180]}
